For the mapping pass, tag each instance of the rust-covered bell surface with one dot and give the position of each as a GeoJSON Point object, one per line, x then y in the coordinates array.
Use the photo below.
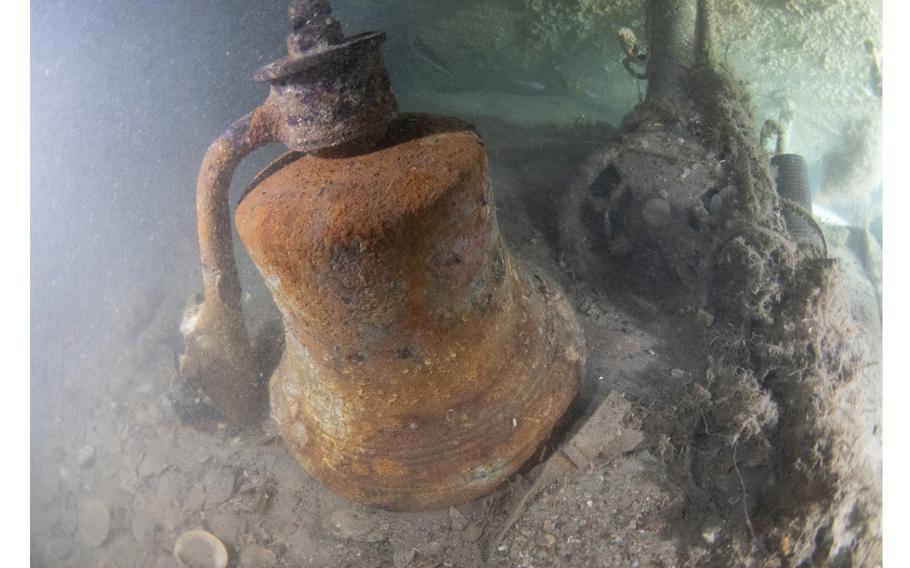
{"type": "Point", "coordinates": [423, 364]}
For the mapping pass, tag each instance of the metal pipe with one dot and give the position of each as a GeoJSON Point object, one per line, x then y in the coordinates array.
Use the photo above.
{"type": "Point", "coordinates": [672, 42]}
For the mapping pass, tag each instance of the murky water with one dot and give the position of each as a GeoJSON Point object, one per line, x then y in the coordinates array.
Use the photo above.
{"type": "Point", "coordinates": [126, 98]}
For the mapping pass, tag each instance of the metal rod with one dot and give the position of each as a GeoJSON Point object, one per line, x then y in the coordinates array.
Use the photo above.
{"type": "Point", "coordinates": [671, 38]}
{"type": "Point", "coordinates": [219, 271]}
{"type": "Point", "coordinates": [218, 357]}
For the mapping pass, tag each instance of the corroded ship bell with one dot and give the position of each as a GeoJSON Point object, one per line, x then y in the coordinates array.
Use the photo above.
{"type": "Point", "coordinates": [422, 364]}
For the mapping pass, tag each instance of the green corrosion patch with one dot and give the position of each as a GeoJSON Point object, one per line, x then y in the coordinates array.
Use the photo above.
{"type": "Point", "coordinates": [488, 473]}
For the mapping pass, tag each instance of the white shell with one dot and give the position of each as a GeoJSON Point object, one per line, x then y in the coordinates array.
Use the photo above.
{"type": "Point", "coordinates": [190, 318]}
{"type": "Point", "coordinates": [200, 549]}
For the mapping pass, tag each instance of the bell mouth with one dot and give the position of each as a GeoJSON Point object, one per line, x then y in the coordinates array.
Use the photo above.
{"type": "Point", "coordinates": [288, 65]}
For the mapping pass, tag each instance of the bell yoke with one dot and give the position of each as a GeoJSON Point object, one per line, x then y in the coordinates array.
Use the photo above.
{"type": "Point", "coordinates": [422, 365]}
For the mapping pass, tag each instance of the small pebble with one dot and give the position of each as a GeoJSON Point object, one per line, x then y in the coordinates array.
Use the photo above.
{"type": "Point", "coordinates": [256, 556]}
{"type": "Point", "coordinates": [656, 212]}
{"type": "Point", "coordinates": [228, 524]}
{"type": "Point", "coordinates": [108, 466]}
{"type": "Point", "coordinates": [710, 534]}
{"type": "Point", "coordinates": [354, 525]}
{"type": "Point", "coordinates": [705, 318]}
{"type": "Point", "coordinates": [144, 526]}
{"type": "Point", "coordinates": [403, 557]}
{"type": "Point", "coordinates": [715, 204]}
{"type": "Point", "coordinates": [94, 522]}
{"type": "Point", "coordinates": [85, 457]}
{"type": "Point", "coordinates": [471, 532]}
{"type": "Point", "coordinates": [195, 499]}
{"type": "Point", "coordinates": [458, 520]}
{"type": "Point", "coordinates": [59, 548]}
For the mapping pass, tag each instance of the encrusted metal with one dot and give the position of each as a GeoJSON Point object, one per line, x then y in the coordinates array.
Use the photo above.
{"type": "Point", "coordinates": [423, 364]}
{"type": "Point", "coordinates": [328, 92]}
